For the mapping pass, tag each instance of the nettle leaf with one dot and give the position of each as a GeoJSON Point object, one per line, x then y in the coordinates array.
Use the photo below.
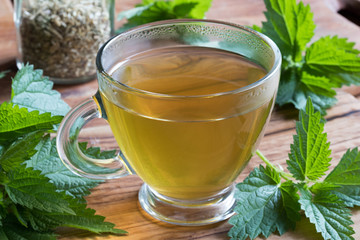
{"type": "Point", "coordinates": [330, 63]}
{"type": "Point", "coordinates": [15, 122]}
{"type": "Point", "coordinates": [347, 171]}
{"type": "Point", "coordinates": [288, 88]}
{"type": "Point", "coordinates": [320, 102]}
{"type": "Point", "coordinates": [44, 209]}
{"type": "Point", "coordinates": [291, 207]}
{"type": "Point", "coordinates": [261, 209]}
{"type": "Point", "coordinates": [84, 218]}
{"type": "Point", "coordinates": [323, 186]}
{"type": "Point", "coordinates": [341, 79]}
{"type": "Point", "coordinates": [256, 28]}
{"type": "Point", "coordinates": [347, 176]}
{"type": "Point", "coordinates": [329, 214]}
{"type": "Point", "coordinates": [16, 213]}
{"type": "Point", "coordinates": [12, 230]}
{"type": "Point", "coordinates": [342, 57]}
{"type": "Point", "coordinates": [290, 25]}
{"type": "Point", "coordinates": [20, 150]}
{"type": "Point", "coordinates": [350, 195]}
{"type": "Point", "coordinates": [33, 91]}
{"type": "Point", "coordinates": [197, 10]}
{"type": "Point", "coordinates": [48, 162]}
{"type": "Point", "coordinates": [184, 9]}
{"type": "Point", "coordinates": [318, 84]}
{"type": "Point", "coordinates": [295, 90]}
{"type": "Point", "coordinates": [153, 10]}
{"type": "Point", "coordinates": [96, 152]}
{"type": "Point", "coordinates": [142, 14]}
{"type": "Point", "coordinates": [309, 155]}
{"type": "Point", "coordinates": [30, 189]}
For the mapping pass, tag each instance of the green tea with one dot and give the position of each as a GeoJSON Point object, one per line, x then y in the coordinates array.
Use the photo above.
{"type": "Point", "coordinates": [196, 142]}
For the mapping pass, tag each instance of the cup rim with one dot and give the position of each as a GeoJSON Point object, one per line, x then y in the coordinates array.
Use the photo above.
{"type": "Point", "coordinates": [267, 40]}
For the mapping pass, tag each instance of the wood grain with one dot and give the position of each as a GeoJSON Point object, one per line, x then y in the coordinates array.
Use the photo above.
{"type": "Point", "coordinates": [117, 199]}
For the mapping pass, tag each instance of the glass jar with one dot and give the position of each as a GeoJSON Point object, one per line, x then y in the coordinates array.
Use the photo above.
{"type": "Point", "coordinates": [62, 37]}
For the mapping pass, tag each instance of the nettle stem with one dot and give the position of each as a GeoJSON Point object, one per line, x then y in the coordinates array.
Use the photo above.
{"type": "Point", "coordinates": [283, 174]}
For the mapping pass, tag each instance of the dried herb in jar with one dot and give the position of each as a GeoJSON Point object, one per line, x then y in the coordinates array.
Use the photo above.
{"type": "Point", "coordinates": [62, 37]}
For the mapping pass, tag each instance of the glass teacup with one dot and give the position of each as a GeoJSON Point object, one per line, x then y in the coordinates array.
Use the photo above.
{"type": "Point", "coordinates": [188, 102]}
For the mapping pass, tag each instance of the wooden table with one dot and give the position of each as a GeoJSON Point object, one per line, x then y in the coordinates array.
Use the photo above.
{"type": "Point", "coordinates": [117, 199]}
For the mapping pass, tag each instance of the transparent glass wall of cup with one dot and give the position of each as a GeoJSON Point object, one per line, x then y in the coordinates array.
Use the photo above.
{"type": "Point", "coordinates": [62, 37]}
{"type": "Point", "coordinates": [184, 123]}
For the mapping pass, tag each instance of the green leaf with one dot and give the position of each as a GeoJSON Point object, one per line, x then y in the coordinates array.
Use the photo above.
{"type": "Point", "coordinates": [261, 208]}
{"type": "Point", "coordinates": [322, 186]}
{"type": "Point", "coordinates": [292, 92]}
{"type": "Point", "coordinates": [84, 218]}
{"type": "Point", "coordinates": [297, 86]}
{"type": "Point", "coordinates": [154, 10]}
{"type": "Point", "coordinates": [347, 79]}
{"type": "Point", "coordinates": [197, 10]}
{"type": "Point", "coordinates": [323, 71]}
{"type": "Point", "coordinates": [293, 89]}
{"type": "Point", "coordinates": [333, 55]}
{"type": "Point", "coordinates": [320, 102]}
{"type": "Point", "coordinates": [290, 25]}
{"type": "Point", "coordinates": [15, 122]}
{"type": "Point", "coordinates": [350, 195]}
{"type": "Point", "coordinates": [133, 12]}
{"type": "Point", "coordinates": [48, 162]}
{"type": "Point", "coordinates": [328, 213]}
{"type": "Point", "coordinates": [19, 217]}
{"type": "Point", "coordinates": [256, 28]}
{"type": "Point", "coordinates": [347, 171]}
{"type": "Point", "coordinates": [33, 91]}
{"type": "Point", "coordinates": [291, 207]}
{"type": "Point", "coordinates": [30, 189]}
{"type": "Point", "coordinates": [95, 152]}
{"type": "Point", "coordinates": [184, 9]}
{"type": "Point", "coordinates": [347, 176]}
{"type": "Point", "coordinates": [309, 155]}
{"type": "Point", "coordinates": [12, 230]}
{"type": "Point", "coordinates": [288, 88]}
{"type": "Point", "coordinates": [45, 208]}
{"type": "Point", "coordinates": [143, 14]}
{"type": "Point", "coordinates": [20, 150]}
{"type": "Point", "coordinates": [318, 84]}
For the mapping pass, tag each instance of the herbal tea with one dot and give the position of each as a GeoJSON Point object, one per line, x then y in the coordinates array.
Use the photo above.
{"type": "Point", "coordinates": [185, 146]}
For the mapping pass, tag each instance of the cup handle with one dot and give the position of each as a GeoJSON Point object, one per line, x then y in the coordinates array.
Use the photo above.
{"type": "Point", "coordinates": [68, 147]}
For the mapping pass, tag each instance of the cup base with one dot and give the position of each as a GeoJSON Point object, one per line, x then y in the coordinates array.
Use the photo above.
{"type": "Point", "coordinates": [188, 213]}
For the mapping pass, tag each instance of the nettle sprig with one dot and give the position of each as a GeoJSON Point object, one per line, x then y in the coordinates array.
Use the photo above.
{"type": "Point", "coordinates": [270, 199]}
{"type": "Point", "coordinates": [37, 192]}
{"type": "Point", "coordinates": [308, 70]}
{"type": "Point", "coordinates": [156, 10]}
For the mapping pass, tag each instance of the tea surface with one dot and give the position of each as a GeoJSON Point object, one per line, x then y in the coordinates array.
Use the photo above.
{"type": "Point", "coordinates": [187, 71]}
